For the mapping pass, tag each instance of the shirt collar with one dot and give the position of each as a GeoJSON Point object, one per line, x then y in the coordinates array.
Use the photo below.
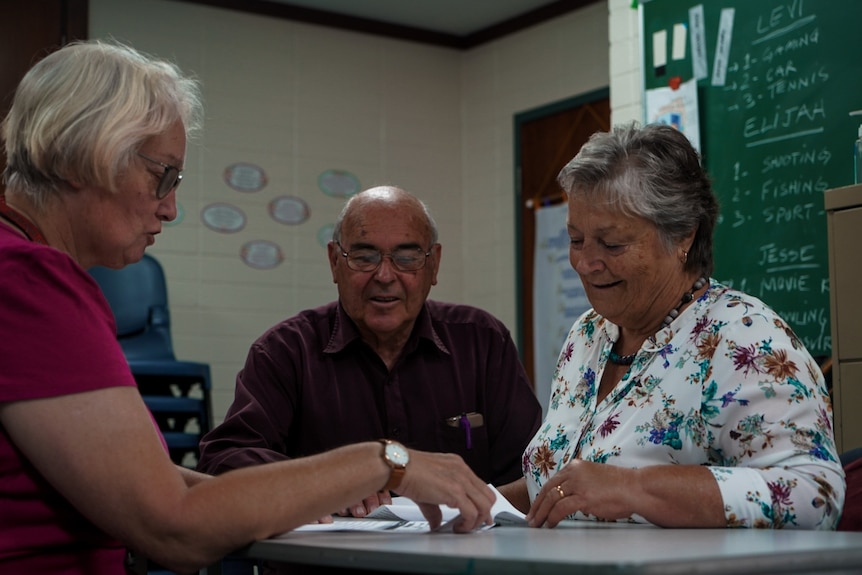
{"type": "Point", "coordinates": [344, 332]}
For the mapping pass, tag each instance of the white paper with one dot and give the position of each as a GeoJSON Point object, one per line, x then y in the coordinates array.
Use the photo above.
{"type": "Point", "coordinates": [697, 33]}
{"type": "Point", "coordinates": [722, 47]}
{"type": "Point", "coordinates": [677, 108]}
{"type": "Point", "coordinates": [679, 40]}
{"type": "Point", "coordinates": [566, 299]}
{"type": "Point", "coordinates": [659, 48]}
{"type": "Point", "coordinates": [403, 514]}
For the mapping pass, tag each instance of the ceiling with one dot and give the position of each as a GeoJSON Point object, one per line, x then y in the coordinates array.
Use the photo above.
{"type": "Point", "coordinates": [453, 23]}
{"type": "Point", "coordinates": [455, 17]}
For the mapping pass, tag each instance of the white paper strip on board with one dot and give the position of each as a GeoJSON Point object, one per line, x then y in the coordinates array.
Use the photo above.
{"type": "Point", "coordinates": [697, 33]}
{"type": "Point", "coordinates": [722, 47]}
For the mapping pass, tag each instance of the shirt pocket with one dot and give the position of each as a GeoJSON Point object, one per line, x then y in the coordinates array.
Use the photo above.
{"type": "Point", "coordinates": [472, 445]}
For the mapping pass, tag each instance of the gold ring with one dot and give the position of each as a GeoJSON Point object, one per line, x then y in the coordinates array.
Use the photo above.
{"type": "Point", "coordinates": [560, 491]}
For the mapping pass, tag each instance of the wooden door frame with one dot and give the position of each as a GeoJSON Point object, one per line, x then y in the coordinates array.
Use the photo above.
{"type": "Point", "coordinates": [519, 120]}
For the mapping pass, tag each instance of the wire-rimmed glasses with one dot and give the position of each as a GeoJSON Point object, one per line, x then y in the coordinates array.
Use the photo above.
{"type": "Point", "coordinates": [369, 259]}
{"type": "Point", "coordinates": [170, 179]}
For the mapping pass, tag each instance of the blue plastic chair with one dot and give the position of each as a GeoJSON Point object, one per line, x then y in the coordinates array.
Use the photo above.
{"type": "Point", "coordinates": [176, 392]}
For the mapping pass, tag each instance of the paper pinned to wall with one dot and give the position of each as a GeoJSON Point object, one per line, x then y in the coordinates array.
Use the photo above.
{"type": "Point", "coordinates": [697, 32]}
{"type": "Point", "coordinates": [722, 47]}
{"type": "Point", "coordinates": [659, 52]}
{"type": "Point", "coordinates": [679, 42]}
{"type": "Point", "coordinates": [558, 296]}
{"type": "Point", "coordinates": [677, 108]}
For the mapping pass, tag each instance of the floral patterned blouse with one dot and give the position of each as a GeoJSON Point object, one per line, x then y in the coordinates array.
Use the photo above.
{"type": "Point", "coordinates": [727, 385]}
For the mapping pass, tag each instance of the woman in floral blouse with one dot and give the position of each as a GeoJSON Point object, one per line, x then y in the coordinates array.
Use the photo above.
{"type": "Point", "coordinates": [676, 400]}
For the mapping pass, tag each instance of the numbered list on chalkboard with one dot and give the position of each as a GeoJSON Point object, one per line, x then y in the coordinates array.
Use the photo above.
{"type": "Point", "coordinates": [775, 134]}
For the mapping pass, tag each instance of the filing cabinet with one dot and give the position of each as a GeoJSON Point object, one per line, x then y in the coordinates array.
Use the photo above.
{"type": "Point", "coordinates": [844, 230]}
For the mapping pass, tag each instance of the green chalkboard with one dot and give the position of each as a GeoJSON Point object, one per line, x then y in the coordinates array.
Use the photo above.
{"type": "Point", "coordinates": [775, 82]}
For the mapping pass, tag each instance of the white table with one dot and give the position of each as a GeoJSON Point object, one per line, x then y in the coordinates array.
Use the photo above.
{"type": "Point", "coordinates": [583, 549]}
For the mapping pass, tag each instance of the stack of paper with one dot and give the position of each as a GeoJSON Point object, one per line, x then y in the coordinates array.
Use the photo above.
{"type": "Point", "coordinates": [404, 515]}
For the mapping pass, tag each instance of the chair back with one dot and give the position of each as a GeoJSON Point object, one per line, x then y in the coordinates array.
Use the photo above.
{"type": "Point", "coordinates": [138, 296]}
{"type": "Point", "coordinates": [177, 393]}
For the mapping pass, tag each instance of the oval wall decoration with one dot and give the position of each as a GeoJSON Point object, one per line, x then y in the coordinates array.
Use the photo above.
{"type": "Point", "coordinates": [261, 254]}
{"type": "Point", "coordinates": [324, 234]}
{"type": "Point", "coordinates": [289, 210]}
{"type": "Point", "coordinates": [245, 177]}
{"type": "Point", "coordinates": [338, 183]}
{"type": "Point", "coordinates": [223, 218]}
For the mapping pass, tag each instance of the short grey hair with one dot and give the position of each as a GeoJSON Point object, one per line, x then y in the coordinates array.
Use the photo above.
{"type": "Point", "coordinates": [81, 113]}
{"type": "Point", "coordinates": [652, 172]}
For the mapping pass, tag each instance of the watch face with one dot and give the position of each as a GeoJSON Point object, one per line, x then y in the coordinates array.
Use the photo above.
{"type": "Point", "coordinates": [397, 454]}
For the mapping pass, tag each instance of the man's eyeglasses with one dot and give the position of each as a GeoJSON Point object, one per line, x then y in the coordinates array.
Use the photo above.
{"type": "Point", "coordinates": [369, 259]}
{"type": "Point", "coordinates": [170, 179]}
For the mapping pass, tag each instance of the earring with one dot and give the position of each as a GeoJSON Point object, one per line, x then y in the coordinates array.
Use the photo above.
{"type": "Point", "coordinates": [684, 257]}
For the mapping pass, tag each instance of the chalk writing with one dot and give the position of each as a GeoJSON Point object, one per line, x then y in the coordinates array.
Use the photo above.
{"type": "Point", "coordinates": [793, 45]}
{"type": "Point", "coordinates": [772, 254]}
{"type": "Point", "coordinates": [784, 214]}
{"type": "Point", "coordinates": [796, 158]}
{"type": "Point", "coordinates": [775, 136]}
{"type": "Point", "coordinates": [818, 316]}
{"type": "Point", "coordinates": [776, 189]}
{"type": "Point", "coordinates": [781, 86]}
{"type": "Point", "coordinates": [802, 115]}
{"type": "Point", "coordinates": [784, 283]}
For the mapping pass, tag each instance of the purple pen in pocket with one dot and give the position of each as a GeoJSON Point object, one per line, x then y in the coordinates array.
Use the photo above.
{"type": "Point", "coordinates": [467, 421]}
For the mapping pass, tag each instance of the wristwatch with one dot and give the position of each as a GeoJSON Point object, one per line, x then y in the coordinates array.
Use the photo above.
{"type": "Point", "coordinates": [396, 457]}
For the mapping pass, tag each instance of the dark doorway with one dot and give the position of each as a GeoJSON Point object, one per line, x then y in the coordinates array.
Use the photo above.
{"type": "Point", "coordinates": [29, 30]}
{"type": "Point", "coordinates": [545, 140]}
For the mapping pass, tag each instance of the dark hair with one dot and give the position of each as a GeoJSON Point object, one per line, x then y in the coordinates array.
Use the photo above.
{"type": "Point", "coordinates": [652, 172]}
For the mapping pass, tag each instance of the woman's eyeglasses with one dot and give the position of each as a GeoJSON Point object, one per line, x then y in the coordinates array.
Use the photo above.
{"type": "Point", "coordinates": [170, 179]}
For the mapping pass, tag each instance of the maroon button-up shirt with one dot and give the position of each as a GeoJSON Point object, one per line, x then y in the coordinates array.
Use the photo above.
{"type": "Point", "coordinates": [311, 384]}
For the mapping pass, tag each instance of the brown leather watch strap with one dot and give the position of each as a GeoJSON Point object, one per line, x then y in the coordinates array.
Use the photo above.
{"type": "Point", "coordinates": [395, 477]}
{"type": "Point", "coordinates": [397, 468]}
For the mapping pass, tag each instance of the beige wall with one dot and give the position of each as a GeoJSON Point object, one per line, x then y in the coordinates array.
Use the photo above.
{"type": "Point", "coordinates": [298, 99]}
{"type": "Point", "coordinates": [625, 63]}
{"type": "Point", "coordinates": [556, 60]}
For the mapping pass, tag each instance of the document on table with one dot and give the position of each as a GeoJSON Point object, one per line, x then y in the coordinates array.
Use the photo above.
{"type": "Point", "coordinates": [355, 524]}
{"type": "Point", "coordinates": [404, 515]}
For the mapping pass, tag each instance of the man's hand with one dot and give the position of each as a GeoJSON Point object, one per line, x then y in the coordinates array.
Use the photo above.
{"type": "Point", "coordinates": [367, 505]}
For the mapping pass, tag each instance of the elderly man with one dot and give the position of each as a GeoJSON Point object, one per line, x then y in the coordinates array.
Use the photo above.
{"type": "Point", "coordinates": [382, 361]}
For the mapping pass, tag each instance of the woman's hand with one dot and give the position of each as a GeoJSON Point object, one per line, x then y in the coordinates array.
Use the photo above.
{"type": "Point", "coordinates": [443, 478]}
{"type": "Point", "coordinates": [604, 491]}
{"type": "Point", "coordinates": [664, 495]}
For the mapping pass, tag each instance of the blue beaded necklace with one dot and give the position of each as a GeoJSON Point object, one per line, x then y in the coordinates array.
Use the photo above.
{"type": "Point", "coordinates": [618, 359]}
